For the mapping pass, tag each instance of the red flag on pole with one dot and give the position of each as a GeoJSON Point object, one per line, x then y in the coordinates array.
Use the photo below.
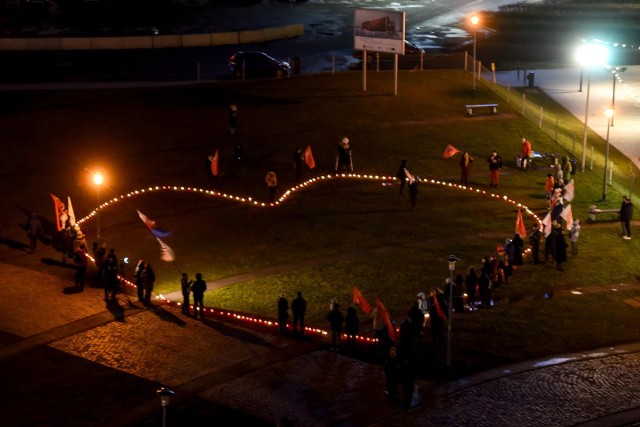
{"type": "Point", "coordinates": [360, 300]}
{"type": "Point", "coordinates": [308, 157]}
{"type": "Point", "coordinates": [449, 152]}
{"type": "Point", "coordinates": [214, 164]}
{"type": "Point", "coordinates": [384, 314]}
{"type": "Point", "coordinates": [59, 208]}
{"type": "Point", "coordinates": [520, 228]}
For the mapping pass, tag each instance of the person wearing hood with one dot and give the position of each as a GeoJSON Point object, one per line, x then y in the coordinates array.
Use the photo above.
{"type": "Point", "coordinates": [574, 233]}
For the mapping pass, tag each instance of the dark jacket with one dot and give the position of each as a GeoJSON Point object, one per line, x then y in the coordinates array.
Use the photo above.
{"type": "Point", "coordinates": [626, 211]}
{"type": "Point", "coordinates": [336, 319]}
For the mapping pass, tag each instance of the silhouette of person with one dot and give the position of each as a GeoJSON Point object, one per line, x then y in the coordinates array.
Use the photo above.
{"type": "Point", "coordinates": [336, 319]}
{"type": "Point", "coordinates": [198, 288]}
{"type": "Point", "coordinates": [401, 175]}
{"type": "Point", "coordinates": [111, 273]}
{"type": "Point", "coordinates": [299, 308]}
{"type": "Point", "coordinates": [351, 326]}
{"type": "Point", "coordinates": [149, 281]}
{"type": "Point", "coordinates": [139, 275]}
{"type": "Point", "coordinates": [34, 231]}
{"type": "Point", "coordinates": [185, 284]}
{"type": "Point", "coordinates": [80, 261]}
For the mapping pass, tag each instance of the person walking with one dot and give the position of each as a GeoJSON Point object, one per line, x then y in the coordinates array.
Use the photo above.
{"type": "Point", "coordinates": [402, 175]}
{"type": "Point", "coordinates": [34, 231]}
{"type": "Point", "coordinates": [574, 233]}
{"type": "Point", "coordinates": [272, 184]}
{"type": "Point", "coordinates": [465, 167]}
{"type": "Point", "coordinates": [495, 166]}
{"type": "Point", "coordinates": [299, 308]}
{"type": "Point", "coordinates": [149, 282]}
{"type": "Point", "coordinates": [283, 314]}
{"type": "Point", "coordinates": [351, 326]}
{"type": "Point", "coordinates": [525, 154]}
{"type": "Point", "coordinates": [139, 279]}
{"type": "Point", "coordinates": [626, 214]}
{"type": "Point", "coordinates": [185, 284]}
{"type": "Point", "coordinates": [198, 288]}
{"type": "Point", "coordinates": [336, 319]}
{"type": "Point", "coordinates": [534, 242]}
{"type": "Point", "coordinates": [344, 160]}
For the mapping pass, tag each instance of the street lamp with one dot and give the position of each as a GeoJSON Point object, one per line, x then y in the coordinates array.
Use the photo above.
{"type": "Point", "coordinates": [164, 393]}
{"type": "Point", "coordinates": [474, 22]}
{"type": "Point", "coordinates": [452, 266]}
{"type": "Point", "coordinates": [98, 179]}
{"type": "Point", "coordinates": [616, 75]}
{"type": "Point", "coordinates": [589, 55]}
{"type": "Point", "coordinates": [609, 113]}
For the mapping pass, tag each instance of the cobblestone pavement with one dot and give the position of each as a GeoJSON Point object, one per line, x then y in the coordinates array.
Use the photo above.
{"type": "Point", "coordinates": [265, 375]}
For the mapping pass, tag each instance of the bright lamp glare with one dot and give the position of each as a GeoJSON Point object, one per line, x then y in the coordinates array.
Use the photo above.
{"type": "Point", "coordinates": [592, 54]}
{"type": "Point", "coordinates": [475, 19]}
{"type": "Point", "coordinates": [98, 179]}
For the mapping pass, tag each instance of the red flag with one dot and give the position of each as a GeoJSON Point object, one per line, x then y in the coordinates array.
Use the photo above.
{"type": "Point", "coordinates": [434, 301]}
{"type": "Point", "coordinates": [308, 157]}
{"type": "Point", "coordinates": [59, 208]}
{"type": "Point", "coordinates": [449, 152]}
{"type": "Point", "coordinates": [384, 314]}
{"type": "Point", "coordinates": [214, 164]}
{"type": "Point", "coordinates": [520, 228]}
{"type": "Point", "coordinates": [359, 299]}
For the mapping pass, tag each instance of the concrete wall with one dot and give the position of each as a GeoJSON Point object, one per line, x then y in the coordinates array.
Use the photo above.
{"type": "Point", "coordinates": [152, 42]}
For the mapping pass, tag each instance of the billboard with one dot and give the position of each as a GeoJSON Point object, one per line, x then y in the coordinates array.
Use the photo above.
{"type": "Point", "coordinates": [376, 30]}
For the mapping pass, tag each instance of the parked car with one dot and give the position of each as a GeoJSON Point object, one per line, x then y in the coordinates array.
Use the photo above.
{"type": "Point", "coordinates": [251, 65]}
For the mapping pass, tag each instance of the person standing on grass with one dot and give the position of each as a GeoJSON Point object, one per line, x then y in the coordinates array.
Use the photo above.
{"type": "Point", "coordinates": [534, 241]}
{"type": "Point", "coordinates": [283, 314]}
{"type": "Point", "coordinates": [574, 233]}
{"type": "Point", "coordinates": [525, 154]}
{"type": "Point", "coordinates": [336, 319]}
{"type": "Point", "coordinates": [185, 284]}
{"type": "Point", "coordinates": [198, 288]}
{"type": "Point", "coordinates": [559, 245]}
{"type": "Point", "coordinates": [465, 167]}
{"type": "Point", "coordinates": [344, 160]}
{"type": "Point", "coordinates": [626, 213]}
{"type": "Point", "coordinates": [272, 184]}
{"type": "Point", "coordinates": [299, 308]}
{"type": "Point", "coordinates": [495, 166]}
{"type": "Point", "coordinates": [549, 186]}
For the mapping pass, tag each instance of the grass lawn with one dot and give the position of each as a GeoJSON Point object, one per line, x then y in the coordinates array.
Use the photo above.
{"type": "Point", "coordinates": [148, 137]}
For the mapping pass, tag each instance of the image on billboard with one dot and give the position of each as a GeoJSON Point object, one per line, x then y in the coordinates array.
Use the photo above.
{"type": "Point", "coordinates": [376, 30]}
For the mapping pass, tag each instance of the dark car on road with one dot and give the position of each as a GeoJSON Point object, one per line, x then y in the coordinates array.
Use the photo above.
{"type": "Point", "coordinates": [251, 65]}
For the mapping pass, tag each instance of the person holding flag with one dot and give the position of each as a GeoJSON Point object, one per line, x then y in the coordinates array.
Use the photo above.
{"type": "Point", "coordinates": [465, 167]}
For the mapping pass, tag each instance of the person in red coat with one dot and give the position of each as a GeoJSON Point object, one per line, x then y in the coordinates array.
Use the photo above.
{"type": "Point", "coordinates": [525, 154]}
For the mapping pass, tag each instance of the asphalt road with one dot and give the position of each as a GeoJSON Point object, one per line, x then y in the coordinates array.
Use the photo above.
{"type": "Point", "coordinates": [327, 44]}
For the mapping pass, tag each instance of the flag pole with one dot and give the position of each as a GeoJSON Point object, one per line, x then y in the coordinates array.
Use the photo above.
{"type": "Point", "coordinates": [177, 268]}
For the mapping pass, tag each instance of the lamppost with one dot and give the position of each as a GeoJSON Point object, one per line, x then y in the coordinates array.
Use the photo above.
{"type": "Point", "coordinates": [616, 75]}
{"type": "Point", "coordinates": [589, 55]}
{"type": "Point", "coordinates": [452, 266]}
{"type": "Point", "coordinates": [98, 179]}
{"type": "Point", "coordinates": [474, 22]}
{"type": "Point", "coordinates": [609, 113]}
{"type": "Point", "coordinates": [164, 393]}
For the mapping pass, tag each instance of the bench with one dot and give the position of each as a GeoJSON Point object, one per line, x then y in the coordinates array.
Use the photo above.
{"type": "Point", "coordinates": [594, 212]}
{"type": "Point", "coordinates": [493, 108]}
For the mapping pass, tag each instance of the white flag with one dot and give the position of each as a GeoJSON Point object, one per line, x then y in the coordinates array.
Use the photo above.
{"type": "Point", "coordinates": [166, 253]}
{"type": "Point", "coordinates": [567, 215]}
{"type": "Point", "coordinates": [72, 215]}
{"type": "Point", "coordinates": [569, 191]}
{"type": "Point", "coordinates": [547, 225]}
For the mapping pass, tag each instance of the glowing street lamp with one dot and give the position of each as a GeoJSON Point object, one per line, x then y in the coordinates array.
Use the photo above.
{"type": "Point", "coordinates": [474, 22]}
{"type": "Point", "coordinates": [609, 113]}
{"type": "Point", "coordinates": [98, 179]}
{"type": "Point", "coordinates": [616, 76]}
{"type": "Point", "coordinates": [589, 55]}
{"type": "Point", "coordinates": [452, 267]}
